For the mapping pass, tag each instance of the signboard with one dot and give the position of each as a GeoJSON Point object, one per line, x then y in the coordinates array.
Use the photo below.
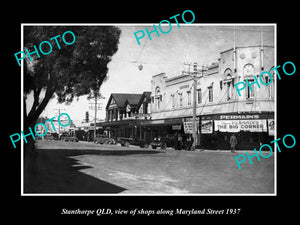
{"type": "Point", "coordinates": [175, 120]}
{"type": "Point", "coordinates": [244, 116]}
{"type": "Point", "coordinates": [271, 127]}
{"type": "Point", "coordinates": [188, 127]}
{"type": "Point", "coordinates": [241, 125]}
{"type": "Point", "coordinates": [206, 126]}
{"type": "Point", "coordinates": [176, 127]}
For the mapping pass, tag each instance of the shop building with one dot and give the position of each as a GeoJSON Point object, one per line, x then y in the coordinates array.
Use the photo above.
{"type": "Point", "coordinates": [124, 114]}
{"type": "Point", "coordinates": [220, 110]}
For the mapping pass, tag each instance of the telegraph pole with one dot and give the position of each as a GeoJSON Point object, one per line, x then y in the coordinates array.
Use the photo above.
{"type": "Point", "coordinates": [193, 148]}
{"type": "Point", "coordinates": [95, 107]}
{"type": "Point", "coordinates": [95, 121]}
{"type": "Point", "coordinates": [194, 77]}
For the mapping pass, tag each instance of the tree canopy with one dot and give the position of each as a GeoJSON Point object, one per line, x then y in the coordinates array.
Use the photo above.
{"type": "Point", "coordinates": [71, 71]}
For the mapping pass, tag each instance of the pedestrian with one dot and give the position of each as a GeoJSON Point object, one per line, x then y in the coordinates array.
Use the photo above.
{"type": "Point", "coordinates": [189, 142]}
{"type": "Point", "coordinates": [176, 141]}
{"type": "Point", "coordinates": [192, 142]}
{"type": "Point", "coordinates": [179, 142]}
{"type": "Point", "coordinates": [233, 142]}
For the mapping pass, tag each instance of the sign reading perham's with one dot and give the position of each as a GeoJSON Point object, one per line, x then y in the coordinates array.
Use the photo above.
{"type": "Point", "coordinates": [241, 125]}
{"type": "Point", "coordinates": [238, 117]}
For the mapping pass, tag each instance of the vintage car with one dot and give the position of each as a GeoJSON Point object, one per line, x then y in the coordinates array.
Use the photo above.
{"type": "Point", "coordinates": [173, 141]}
{"type": "Point", "coordinates": [103, 139]}
{"type": "Point", "coordinates": [162, 142]}
{"type": "Point", "coordinates": [68, 138]}
{"type": "Point", "coordinates": [133, 141]}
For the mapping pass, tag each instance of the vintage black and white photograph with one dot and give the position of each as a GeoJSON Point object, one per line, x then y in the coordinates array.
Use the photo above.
{"type": "Point", "coordinates": [148, 109]}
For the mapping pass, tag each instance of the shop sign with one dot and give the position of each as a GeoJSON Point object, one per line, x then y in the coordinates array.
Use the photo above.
{"type": "Point", "coordinates": [190, 119]}
{"type": "Point", "coordinates": [176, 127]}
{"type": "Point", "coordinates": [241, 125]}
{"type": "Point", "coordinates": [176, 120]}
{"type": "Point", "coordinates": [238, 117]}
{"type": "Point", "coordinates": [206, 126]}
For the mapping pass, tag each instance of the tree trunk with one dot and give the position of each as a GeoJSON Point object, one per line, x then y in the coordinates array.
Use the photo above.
{"type": "Point", "coordinates": [31, 118]}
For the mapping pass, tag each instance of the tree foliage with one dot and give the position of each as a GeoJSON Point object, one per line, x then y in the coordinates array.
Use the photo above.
{"type": "Point", "coordinates": [71, 71]}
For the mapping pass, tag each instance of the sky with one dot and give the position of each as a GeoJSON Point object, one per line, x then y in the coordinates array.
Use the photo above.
{"type": "Point", "coordinates": [201, 43]}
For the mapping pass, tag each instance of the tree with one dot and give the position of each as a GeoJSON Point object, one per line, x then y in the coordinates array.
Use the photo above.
{"type": "Point", "coordinates": [71, 71]}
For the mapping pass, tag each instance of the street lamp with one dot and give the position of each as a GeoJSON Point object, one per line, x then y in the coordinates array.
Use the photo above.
{"type": "Point", "coordinates": [140, 67]}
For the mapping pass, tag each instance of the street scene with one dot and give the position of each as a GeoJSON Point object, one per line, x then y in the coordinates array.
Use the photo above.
{"type": "Point", "coordinates": [162, 117]}
{"type": "Point", "coordinates": [82, 167]}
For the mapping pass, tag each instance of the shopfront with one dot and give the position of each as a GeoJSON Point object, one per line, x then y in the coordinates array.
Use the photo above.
{"type": "Point", "coordinates": [168, 127]}
{"type": "Point", "coordinates": [251, 130]}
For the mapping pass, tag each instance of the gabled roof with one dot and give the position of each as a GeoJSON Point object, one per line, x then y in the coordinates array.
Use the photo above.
{"type": "Point", "coordinates": [122, 98]}
{"type": "Point", "coordinates": [147, 95]}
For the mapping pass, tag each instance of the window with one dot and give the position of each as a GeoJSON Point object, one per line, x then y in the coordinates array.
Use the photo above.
{"type": "Point", "coordinates": [180, 99]}
{"type": "Point", "coordinates": [227, 80]}
{"type": "Point", "coordinates": [199, 96]}
{"type": "Point", "coordinates": [157, 103]}
{"type": "Point", "coordinates": [267, 80]}
{"type": "Point", "coordinates": [210, 94]}
{"type": "Point", "coordinates": [158, 98]}
{"type": "Point", "coordinates": [189, 97]}
{"type": "Point", "coordinates": [228, 84]}
{"type": "Point", "coordinates": [249, 93]}
{"type": "Point", "coordinates": [249, 75]}
{"type": "Point", "coordinates": [173, 100]}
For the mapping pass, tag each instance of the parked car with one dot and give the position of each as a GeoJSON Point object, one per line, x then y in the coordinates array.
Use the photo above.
{"type": "Point", "coordinates": [68, 138]}
{"type": "Point", "coordinates": [133, 141]}
{"type": "Point", "coordinates": [51, 137]}
{"type": "Point", "coordinates": [103, 139]}
{"type": "Point", "coordinates": [162, 142]}
{"type": "Point", "coordinates": [169, 141]}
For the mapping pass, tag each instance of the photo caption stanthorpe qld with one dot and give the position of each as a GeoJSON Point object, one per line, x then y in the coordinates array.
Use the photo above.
{"type": "Point", "coordinates": [149, 212]}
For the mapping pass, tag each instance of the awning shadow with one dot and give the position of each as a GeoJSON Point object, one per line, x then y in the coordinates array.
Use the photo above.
{"type": "Point", "coordinates": [54, 171]}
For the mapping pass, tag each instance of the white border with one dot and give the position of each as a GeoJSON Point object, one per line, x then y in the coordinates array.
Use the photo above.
{"type": "Point", "coordinates": [150, 24]}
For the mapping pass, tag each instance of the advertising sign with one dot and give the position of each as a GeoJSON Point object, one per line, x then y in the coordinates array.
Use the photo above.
{"type": "Point", "coordinates": [238, 125]}
{"type": "Point", "coordinates": [271, 127]}
{"type": "Point", "coordinates": [188, 127]}
{"type": "Point", "coordinates": [206, 127]}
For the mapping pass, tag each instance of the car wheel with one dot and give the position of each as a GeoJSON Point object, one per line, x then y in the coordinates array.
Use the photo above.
{"type": "Point", "coordinates": [163, 146]}
{"type": "Point", "coordinates": [126, 144]}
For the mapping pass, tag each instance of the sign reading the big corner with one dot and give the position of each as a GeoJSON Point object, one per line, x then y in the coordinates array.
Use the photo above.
{"type": "Point", "coordinates": [241, 125]}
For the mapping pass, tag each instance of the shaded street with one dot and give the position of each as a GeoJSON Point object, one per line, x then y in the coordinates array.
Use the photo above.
{"type": "Point", "coordinates": [65, 167]}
